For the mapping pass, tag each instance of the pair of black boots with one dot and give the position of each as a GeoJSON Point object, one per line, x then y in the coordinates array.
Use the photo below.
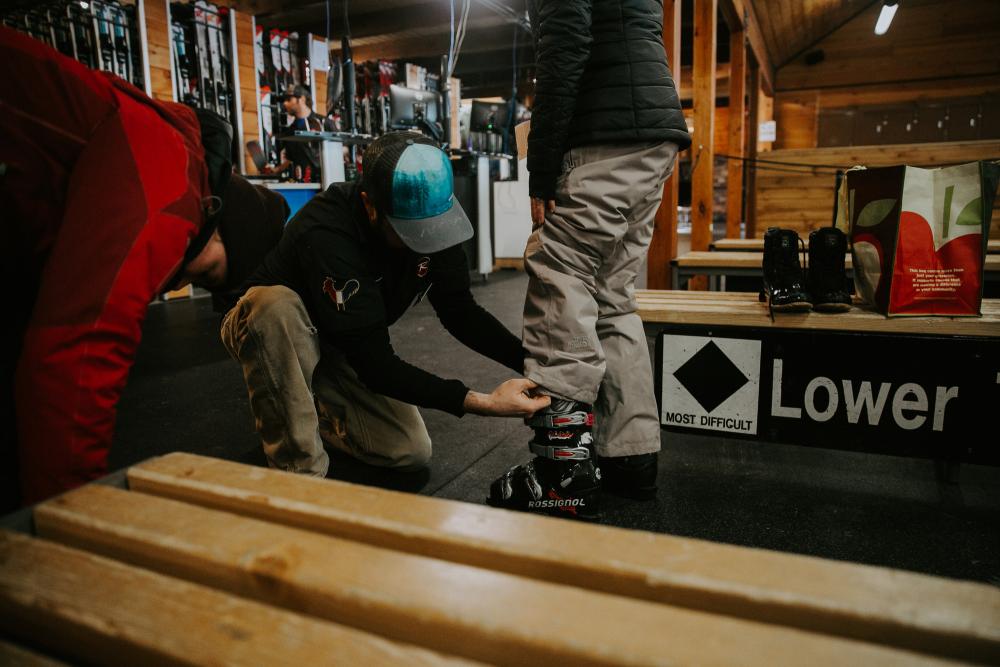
{"type": "Point", "coordinates": [566, 478]}
{"type": "Point", "coordinates": [788, 288]}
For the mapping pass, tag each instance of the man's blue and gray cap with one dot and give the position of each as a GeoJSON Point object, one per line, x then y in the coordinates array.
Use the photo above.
{"type": "Point", "coordinates": [409, 179]}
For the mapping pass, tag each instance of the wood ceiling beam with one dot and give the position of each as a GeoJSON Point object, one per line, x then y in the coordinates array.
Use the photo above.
{"type": "Point", "coordinates": [740, 15]}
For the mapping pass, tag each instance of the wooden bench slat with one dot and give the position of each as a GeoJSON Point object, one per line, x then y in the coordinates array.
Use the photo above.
{"type": "Point", "coordinates": [739, 259]}
{"type": "Point", "coordinates": [97, 610]}
{"type": "Point", "coordinates": [837, 598]}
{"type": "Point", "coordinates": [463, 610]}
{"type": "Point", "coordinates": [668, 307]}
{"type": "Point", "coordinates": [757, 244]}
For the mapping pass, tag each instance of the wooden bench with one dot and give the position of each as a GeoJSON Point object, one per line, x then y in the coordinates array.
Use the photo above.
{"type": "Point", "coordinates": [748, 264]}
{"type": "Point", "coordinates": [204, 561]}
{"type": "Point", "coordinates": [757, 245]}
{"type": "Point", "coordinates": [915, 386]}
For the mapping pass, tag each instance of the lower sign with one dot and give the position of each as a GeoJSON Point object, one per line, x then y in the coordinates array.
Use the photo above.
{"type": "Point", "coordinates": [912, 395]}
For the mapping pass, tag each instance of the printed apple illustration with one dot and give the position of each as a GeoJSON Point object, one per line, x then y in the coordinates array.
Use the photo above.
{"type": "Point", "coordinates": [934, 277]}
{"type": "Point", "coordinates": [868, 265]}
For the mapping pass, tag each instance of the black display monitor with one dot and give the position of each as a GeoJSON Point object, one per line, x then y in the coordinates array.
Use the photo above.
{"type": "Point", "coordinates": [489, 116]}
{"type": "Point", "coordinates": [409, 108]}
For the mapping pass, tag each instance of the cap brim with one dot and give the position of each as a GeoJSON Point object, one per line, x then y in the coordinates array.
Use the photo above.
{"type": "Point", "coordinates": [430, 235]}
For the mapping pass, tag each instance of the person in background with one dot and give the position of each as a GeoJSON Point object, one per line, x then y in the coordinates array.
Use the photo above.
{"type": "Point", "coordinates": [605, 131]}
{"type": "Point", "coordinates": [110, 198]}
{"type": "Point", "coordinates": [301, 158]}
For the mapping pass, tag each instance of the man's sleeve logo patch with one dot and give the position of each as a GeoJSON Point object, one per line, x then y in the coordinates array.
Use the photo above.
{"type": "Point", "coordinates": [341, 296]}
{"type": "Point", "coordinates": [423, 266]}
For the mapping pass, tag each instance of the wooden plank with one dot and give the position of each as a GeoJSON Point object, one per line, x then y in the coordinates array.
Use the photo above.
{"type": "Point", "coordinates": [698, 259]}
{"type": "Point", "coordinates": [702, 148]}
{"type": "Point", "coordinates": [835, 598]}
{"type": "Point", "coordinates": [99, 611]}
{"type": "Point", "coordinates": [663, 245]}
{"type": "Point", "coordinates": [158, 36]}
{"type": "Point", "coordinates": [739, 244]}
{"type": "Point", "coordinates": [655, 309]}
{"type": "Point", "coordinates": [247, 81]}
{"type": "Point", "coordinates": [737, 140]}
{"type": "Point", "coordinates": [466, 611]}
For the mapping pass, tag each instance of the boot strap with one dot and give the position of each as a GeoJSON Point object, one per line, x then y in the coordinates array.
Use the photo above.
{"type": "Point", "coordinates": [560, 453]}
{"type": "Point", "coordinates": [558, 421]}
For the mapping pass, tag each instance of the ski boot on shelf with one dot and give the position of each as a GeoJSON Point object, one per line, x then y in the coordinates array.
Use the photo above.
{"type": "Point", "coordinates": [562, 479]}
{"type": "Point", "coordinates": [826, 278]}
{"type": "Point", "coordinates": [783, 276]}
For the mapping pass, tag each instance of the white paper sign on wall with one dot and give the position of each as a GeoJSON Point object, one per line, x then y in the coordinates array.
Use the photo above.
{"type": "Point", "coordinates": [768, 131]}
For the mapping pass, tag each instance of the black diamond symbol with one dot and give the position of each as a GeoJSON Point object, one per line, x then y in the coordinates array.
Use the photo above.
{"type": "Point", "coordinates": [710, 376]}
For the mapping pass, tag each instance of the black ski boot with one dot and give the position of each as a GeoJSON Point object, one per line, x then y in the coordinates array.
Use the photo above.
{"type": "Point", "coordinates": [827, 278]}
{"type": "Point", "coordinates": [783, 276]}
{"type": "Point", "coordinates": [629, 476]}
{"type": "Point", "coordinates": [562, 479]}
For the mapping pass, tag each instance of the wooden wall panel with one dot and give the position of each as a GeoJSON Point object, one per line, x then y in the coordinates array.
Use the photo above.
{"type": "Point", "coordinates": [804, 201]}
{"type": "Point", "coordinates": [158, 36]}
{"type": "Point", "coordinates": [720, 130]}
{"type": "Point", "coordinates": [797, 116]}
{"type": "Point", "coordinates": [247, 81]}
{"type": "Point", "coordinates": [319, 104]}
{"type": "Point", "coordinates": [928, 39]}
{"type": "Point", "coordinates": [765, 112]}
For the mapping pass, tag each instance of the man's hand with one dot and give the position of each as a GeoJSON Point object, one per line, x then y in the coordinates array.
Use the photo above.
{"type": "Point", "coordinates": [538, 209]}
{"type": "Point", "coordinates": [510, 399]}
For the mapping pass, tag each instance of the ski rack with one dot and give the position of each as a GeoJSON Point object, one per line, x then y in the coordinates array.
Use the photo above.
{"type": "Point", "coordinates": [202, 56]}
{"type": "Point", "coordinates": [101, 34]}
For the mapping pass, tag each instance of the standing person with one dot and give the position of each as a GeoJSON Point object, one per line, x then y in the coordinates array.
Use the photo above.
{"type": "Point", "coordinates": [109, 197]}
{"type": "Point", "coordinates": [312, 330]}
{"type": "Point", "coordinates": [606, 128]}
{"type": "Point", "coordinates": [301, 158]}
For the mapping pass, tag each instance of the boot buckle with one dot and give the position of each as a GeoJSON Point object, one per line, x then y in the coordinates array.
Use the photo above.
{"type": "Point", "coordinates": [558, 421]}
{"type": "Point", "coordinates": [560, 453]}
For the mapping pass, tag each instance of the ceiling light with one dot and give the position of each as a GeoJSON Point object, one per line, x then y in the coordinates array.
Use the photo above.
{"type": "Point", "coordinates": [889, 8]}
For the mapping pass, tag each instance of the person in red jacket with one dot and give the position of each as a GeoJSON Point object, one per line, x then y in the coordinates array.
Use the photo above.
{"type": "Point", "coordinates": [105, 196]}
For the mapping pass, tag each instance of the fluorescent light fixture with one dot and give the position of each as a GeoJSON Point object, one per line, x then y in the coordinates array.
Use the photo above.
{"type": "Point", "coordinates": [885, 17]}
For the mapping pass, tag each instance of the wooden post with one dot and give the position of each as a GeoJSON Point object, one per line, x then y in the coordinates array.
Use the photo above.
{"type": "Point", "coordinates": [737, 113]}
{"type": "Point", "coordinates": [753, 123]}
{"type": "Point", "coordinates": [663, 247]}
{"type": "Point", "coordinates": [706, 14]}
{"type": "Point", "coordinates": [157, 16]}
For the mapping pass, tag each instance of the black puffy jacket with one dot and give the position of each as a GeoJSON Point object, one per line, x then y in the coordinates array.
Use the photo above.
{"type": "Point", "coordinates": [601, 76]}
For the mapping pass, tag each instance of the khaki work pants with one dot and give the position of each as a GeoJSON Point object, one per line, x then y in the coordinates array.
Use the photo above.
{"type": "Point", "coordinates": [583, 336]}
{"type": "Point", "coordinates": [301, 401]}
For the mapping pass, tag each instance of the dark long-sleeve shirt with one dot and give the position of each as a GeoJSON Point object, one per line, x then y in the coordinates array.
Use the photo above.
{"type": "Point", "coordinates": [355, 287]}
